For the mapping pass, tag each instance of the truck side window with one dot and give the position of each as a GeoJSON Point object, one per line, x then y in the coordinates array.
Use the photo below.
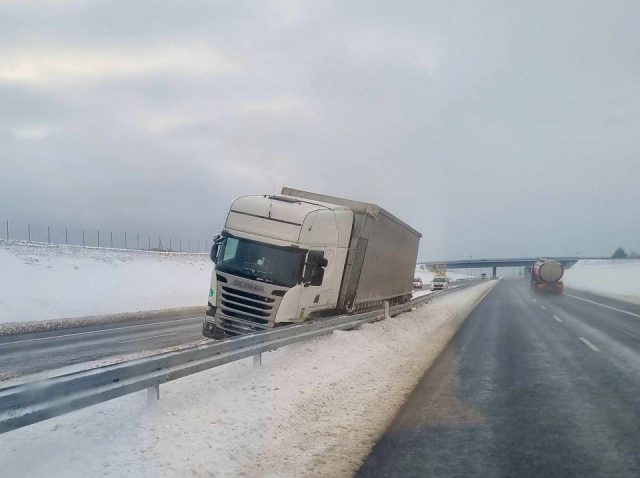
{"type": "Point", "coordinates": [230, 248]}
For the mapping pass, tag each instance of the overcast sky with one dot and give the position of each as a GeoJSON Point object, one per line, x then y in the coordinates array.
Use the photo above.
{"type": "Point", "coordinates": [496, 128]}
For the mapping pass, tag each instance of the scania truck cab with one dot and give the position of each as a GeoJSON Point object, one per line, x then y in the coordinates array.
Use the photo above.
{"type": "Point", "coordinates": [278, 260]}
{"type": "Point", "coordinates": [286, 258]}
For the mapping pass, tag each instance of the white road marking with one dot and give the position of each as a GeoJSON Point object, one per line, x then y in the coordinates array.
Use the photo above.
{"type": "Point", "coordinates": [149, 337]}
{"type": "Point", "coordinates": [605, 306]}
{"type": "Point", "coordinates": [97, 331]}
{"type": "Point", "coordinates": [543, 307]}
{"type": "Point", "coordinates": [557, 318]}
{"type": "Point", "coordinates": [534, 300]}
{"type": "Point", "coordinates": [590, 345]}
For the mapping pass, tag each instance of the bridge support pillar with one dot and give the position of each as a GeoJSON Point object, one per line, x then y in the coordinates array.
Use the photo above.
{"type": "Point", "coordinates": [495, 272]}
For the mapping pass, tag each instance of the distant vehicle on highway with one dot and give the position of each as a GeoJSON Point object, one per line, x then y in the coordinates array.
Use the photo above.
{"type": "Point", "coordinates": [546, 276]}
{"type": "Point", "coordinates": [483, 275]}
{"type": "Point", "coordinates": [440, 283]}
{"type": "Point", "coordinates": [417, 283]}
{"type": "Point", "coordinates": [298, 255]}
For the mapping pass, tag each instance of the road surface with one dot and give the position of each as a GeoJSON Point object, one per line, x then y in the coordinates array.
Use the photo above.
{"type": "Point", "coordinates": [36, 352]}
{"type": "Point", "coordinates": [530, 386]}
{"type": "Point", "coordinates": [29, 353]}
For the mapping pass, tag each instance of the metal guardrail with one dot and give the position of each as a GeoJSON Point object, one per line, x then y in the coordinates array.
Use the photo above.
{"type": "Point", "coordinates": [29, 403]}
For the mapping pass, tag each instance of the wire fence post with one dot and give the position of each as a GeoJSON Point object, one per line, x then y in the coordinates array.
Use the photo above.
{"type": "Point", "coordinates": [149, 241]}
{"type": "Point", "coordinates": [48, 235]}
{"type": "Point", "coordinates": [66, 236]}
{"type": "Point", "coordinates": [125, 240]}
{"type": "Point", "coordinates": [170, 245]}
{"type": "Point", "coordinates": [29, 232]}
{"type": "Point", "coordinates": [137, 241]}
{"type": "Point", "coordinates": [98, 237]}
{"type": "Point", "coordinates": [82, 237]}
{"type": "Point", "coordinates": [180, 244]}
{"type": "Point", "coordinates": [7, 230]}
{"type": "Point", "coordinates": [159, 243]}
{"type": "Point", "coordinates": [111, 239]}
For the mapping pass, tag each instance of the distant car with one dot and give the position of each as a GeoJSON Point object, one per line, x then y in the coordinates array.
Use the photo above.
{"type": "Point", "coordinates": [417, 283]}
{"type": "Point", "coordinates": [484, 275]}
{"type": "Point", "coordinates": [440, 283]}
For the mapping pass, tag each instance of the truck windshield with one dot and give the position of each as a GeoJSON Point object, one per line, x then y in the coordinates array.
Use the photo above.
{"type": "Point", "coordinates": [260, 261]}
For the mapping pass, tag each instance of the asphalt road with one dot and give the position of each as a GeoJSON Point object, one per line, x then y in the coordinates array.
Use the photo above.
{"type": "Point", "coordinates": [37, 352]}
{"type": "Point", "coordinates": [530, 386]}
{"type": "Point", "coordinates": [29, 353]}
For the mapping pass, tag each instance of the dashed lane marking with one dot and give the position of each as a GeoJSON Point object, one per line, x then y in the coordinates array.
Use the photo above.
{"type": "Point", "coordinates": [543, 307]}
{"type": "Point", "coordinates": [557, 318]}
{"type": "Point", "coordinates": [589, 344]}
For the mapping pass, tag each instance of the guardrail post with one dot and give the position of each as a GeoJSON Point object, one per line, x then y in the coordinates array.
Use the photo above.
{"type": "Point", "coordinates": [257, 360]}
{"type": "Point", "coordinates": [386, 310]}
{"type": "Point", "coordinates": [153, 393]}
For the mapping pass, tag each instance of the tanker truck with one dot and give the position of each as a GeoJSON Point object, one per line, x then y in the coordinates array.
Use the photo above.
{"type": "Point", "coordinates": [546, 276]}
{"type": "Point", "coordinates": [284, 259]}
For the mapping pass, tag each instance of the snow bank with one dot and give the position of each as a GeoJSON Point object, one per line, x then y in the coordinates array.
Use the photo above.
{"type": "Point", "coordinates": [619, 278]}
{"type": "Point", "coordinates": [42, 281]}
{"type": "Point", "coordinates": [312, 409]}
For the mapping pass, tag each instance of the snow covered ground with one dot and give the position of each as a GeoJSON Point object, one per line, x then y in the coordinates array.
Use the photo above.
{"type": "Point", "coordinates": [312, 409]}
{"type": "Point", "coordinates": [427, 275]}
{"type": "Point", "coordinates": [42, 281]}
{"type": "Point", "coordinates": [618, 278]}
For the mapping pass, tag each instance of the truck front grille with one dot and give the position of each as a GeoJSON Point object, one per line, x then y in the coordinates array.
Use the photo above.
{"type": "Point", "coordinates": [248, 307]}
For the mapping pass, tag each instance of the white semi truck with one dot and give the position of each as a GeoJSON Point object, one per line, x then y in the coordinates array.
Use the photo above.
{"type": "Point", "coordinates": [287, 258]}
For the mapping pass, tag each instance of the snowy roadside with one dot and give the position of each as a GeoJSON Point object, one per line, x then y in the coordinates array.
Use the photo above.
{"type": "Point", "coordinates": [40, 282]}
{"type": "Point", "coordinates": [312, 409]}
{"type": "Point", "coordinates": [618, 279]}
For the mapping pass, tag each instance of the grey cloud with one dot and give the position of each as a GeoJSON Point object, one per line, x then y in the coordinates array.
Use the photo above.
{"type": "Point", "coordinates": [496, 129]}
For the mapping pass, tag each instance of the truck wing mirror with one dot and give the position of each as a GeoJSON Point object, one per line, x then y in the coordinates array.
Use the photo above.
{"type": "Point", "coordinates": [314, 271]}
{"type": "Point", "coordinates": [318, 276]}
{"type": "Point", "coordinates": [216, 245]}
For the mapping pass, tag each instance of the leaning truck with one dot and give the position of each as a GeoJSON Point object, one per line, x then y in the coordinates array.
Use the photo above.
{"type": "Point", "coordinates": [284, 259]}
{"type": "Point", "coordinates": [546, 276]}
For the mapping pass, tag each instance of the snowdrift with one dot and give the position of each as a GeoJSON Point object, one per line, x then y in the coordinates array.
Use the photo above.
{"type": "Point", "coordinates": [619, 279]}
{"type": "Point", "coordinates": [43, 281]}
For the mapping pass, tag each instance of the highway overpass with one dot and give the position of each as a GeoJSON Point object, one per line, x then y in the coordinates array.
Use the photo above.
{"type": "Point", "coordinates": [503, 262]}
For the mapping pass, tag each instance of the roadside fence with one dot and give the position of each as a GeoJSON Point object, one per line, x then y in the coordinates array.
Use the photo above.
{"type": "Point", "coordinates": [16, 231]}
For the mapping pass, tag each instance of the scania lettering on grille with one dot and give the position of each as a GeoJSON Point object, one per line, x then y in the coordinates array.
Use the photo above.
{"type": "Point", "coordinates": [247, 285]}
